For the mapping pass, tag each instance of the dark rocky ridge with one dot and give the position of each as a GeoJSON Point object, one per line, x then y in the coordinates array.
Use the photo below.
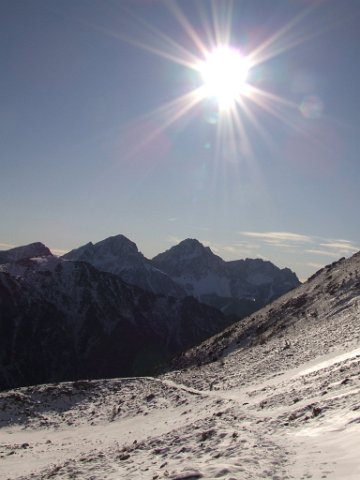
{"type": "Point", "coordinates": [71, 321]}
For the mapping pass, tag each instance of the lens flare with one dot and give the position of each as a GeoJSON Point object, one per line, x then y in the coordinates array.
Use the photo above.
{"type": "Point", "coordinates": [312, 107]}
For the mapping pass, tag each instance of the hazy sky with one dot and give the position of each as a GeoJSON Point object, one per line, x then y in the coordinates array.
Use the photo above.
{"type": "Point", "coordinates": [98, 135]}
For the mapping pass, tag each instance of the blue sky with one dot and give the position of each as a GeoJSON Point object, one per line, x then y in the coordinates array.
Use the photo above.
{"type": "Point", "coordinates": [96, 138]}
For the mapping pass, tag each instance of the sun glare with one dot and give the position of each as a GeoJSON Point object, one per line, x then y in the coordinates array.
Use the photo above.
{"type": "Point", "coordinates": [224, 73]}
{"type": "Point", "coordinates": [218, 73]}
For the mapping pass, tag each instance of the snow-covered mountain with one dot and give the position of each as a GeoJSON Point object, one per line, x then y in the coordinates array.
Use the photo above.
{"type": "Point", "coordinates": [238, 287]}
{"type": "Point", "coordinates": [120, 256]}
{"type": "Point", "coordinates": [275, 396]}
{"type": "Point", "coordinates": [84, 315]}
{"type": "Point", "coordinates": [65, 320]}
{"type": "Point", "coordinates": [36, 249]}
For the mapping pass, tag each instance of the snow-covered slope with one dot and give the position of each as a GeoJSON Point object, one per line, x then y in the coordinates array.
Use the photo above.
{"type": "Point", "coordinates": [273, 397]}
{"type": "Point", "coordinates": [310, 310]}
{"type": "Point", "coordinates": [120, 256]}
{"type": "Point", "coordinates": [238, 287]}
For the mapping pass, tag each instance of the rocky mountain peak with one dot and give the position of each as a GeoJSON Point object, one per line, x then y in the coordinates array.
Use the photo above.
{"type": "Point", "coordinates": [237, 287]}
{"type": "Point", "coordinates": [116, 248]}
{"type": "Point", "coordinates": [190, 246]}
{"type": "Point", "coordinates": [187, 252]}
{"type": "Point", "coordinates": [36, 249]}
{"type": "Point", "coordinates": [118, 245]}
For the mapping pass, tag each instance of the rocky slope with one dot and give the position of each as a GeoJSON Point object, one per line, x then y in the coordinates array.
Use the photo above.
{"type": "Point", "coordinates": [238, 287]}
{"type": "Point", "coordinates": [313, 318]}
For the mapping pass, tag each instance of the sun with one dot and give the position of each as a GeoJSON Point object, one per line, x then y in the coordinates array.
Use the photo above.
{"type": "Point", "coordinates": [224, 74]}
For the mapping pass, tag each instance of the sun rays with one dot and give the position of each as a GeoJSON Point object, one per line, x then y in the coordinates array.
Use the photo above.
{"type": "Point", "coordinates": [220, 72]}
{"type": "Point", "coordinates": [225, 76]}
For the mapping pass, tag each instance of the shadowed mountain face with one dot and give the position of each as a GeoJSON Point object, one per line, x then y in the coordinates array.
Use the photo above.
{"type": "Point", "coordinates": [238, 287]}
{"type": "Point", "coordinates": [36, 249]}
{"type": "Point", "coordinates": [65, 320]}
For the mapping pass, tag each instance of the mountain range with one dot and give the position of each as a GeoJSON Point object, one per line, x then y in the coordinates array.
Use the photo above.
{"type": "Point", "coordinates": [274, 396]}
{"type": "Point", "coordinates": [189, 268]}
{"type": "Point", "coordinates": [104, 310]}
